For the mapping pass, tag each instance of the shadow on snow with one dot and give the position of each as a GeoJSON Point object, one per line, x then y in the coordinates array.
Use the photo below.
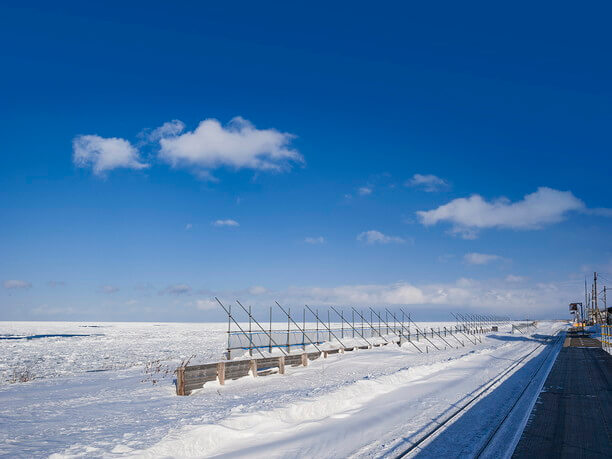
{"type": "Point", "coordinates": [468, 432]}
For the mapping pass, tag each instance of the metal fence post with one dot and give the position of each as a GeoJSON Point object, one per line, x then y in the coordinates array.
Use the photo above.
{"type": "Point", "coordinates": [250, 335]}
{"type": "Point", "coordinates": [270, 340]}
{"type": "Point", "coordinates": [288, 330]}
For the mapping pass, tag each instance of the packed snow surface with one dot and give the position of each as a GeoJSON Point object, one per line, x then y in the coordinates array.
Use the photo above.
{"type": "Point", "coordinates": [111, 394]}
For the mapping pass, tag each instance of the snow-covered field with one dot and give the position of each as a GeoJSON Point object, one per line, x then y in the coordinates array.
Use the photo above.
{"type": "Point", "coordinates": [95, 396]}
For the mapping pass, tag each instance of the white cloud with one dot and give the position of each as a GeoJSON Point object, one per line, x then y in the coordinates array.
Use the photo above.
{"type": "Point", "coordinates": [487, 295]}
{"type": "Point", "coordinates": [239, 145]}
{"type": "Point", "coordinates": [376, 237]}
{"type": "Point", "coordinates": [109, 289]}
{"type": "Point", "coordinates": [535, 210]}
{"type": "Point", "coordinates": [401, 293]}
{"type": "Point", "coordinates": [365, 190]}
{"type": "Point", "coordinates": [105, 154]}
{"type": "Point", "coordinates": [513, 278]}
{"type": "Point", "coordinates": [465, 233]}
{"type": "Point", "coordinates": [258, 290]}
{"type": "Point", "coordinates": [176, 289]}
{"type": "Point", "coordinates": [428, 182]}
{"type": "Point", "coordinates": [599, 211]}
{"type": "Point", "coordinates": [16, 284]}
{"type": "Point", "coordinates": [168, 129]}
{"type": "Point", "coordinates": [509, 298]}
{"type": "Point", "coordinates": [475, 258]}
{"type": "Point", "coordinates": [228, 222]}
{"type": "Point", "coordinates": [206, 305]}
{"type": "Point", "coordinates": [56, 283]}
{"type": "Point", "coordinates": [47, 310]}
{"type": "Point", "coordinates": [315, 240]}
{"type": "Point", "coordinates": [188, 226]}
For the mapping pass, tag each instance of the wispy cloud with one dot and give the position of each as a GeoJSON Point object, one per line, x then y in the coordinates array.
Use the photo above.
{"type": "Point", "coordinates": [365, 190]}
{"type": "Point", "coordinates": [520, 297]}
{"type": "Point", "coordinates": [109, 289]}
{"type": "Point", "coordinates": [513, 278]}
{"type": "Point", "coordinates": [258, 290]}
{"type": "Point", "coordinates": [228, 222]}
{"type": "Point", "coordinates": [168, 129]}
{"type": "Point", "coordinates": [599, 211]}
{"type": "Point", "coordinates": [13, 284]}
{"type": "Point", "coordinates": [428, 182]}
{"type": "Point", "coordinates": [475, 258]}
{"type": "Point", "coordinates": [46, 310]}
{"type": "Point", "coordinates": [535, 210]}
{"type": "Point", "coordinates": [56, 283]}
{"type": "Point", "coordinates": [176, 289]}
{"type": "Point", "coordinates": [105, 154]}
{"type": "Point", "coordinates": [445, 258]}
{"type": "Point", "coordinates": [188, 226]}
{"type": "Point", "coordinates": [314, 240]}
{"type": "Point", "coordinates": [207, 304]}
{"type": "Point", "coordinates": [239, 145]}
{"type": "Point", "coordinates": [376, 237]}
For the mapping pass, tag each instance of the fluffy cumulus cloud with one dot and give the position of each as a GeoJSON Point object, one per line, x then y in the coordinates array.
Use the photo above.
{"type": "Point", "coordinates": [13, 284]}
{"type": "Point", "coordinates": [428, 182]}
{"type": "Point", "coordinates": [105, 154]}
{"type": "Point", "coordinates": [228, 222]}
{"type": "Point", "coordinates": [468, 215]}
{"type": "Point", "coordinates": [475, 258]}
{"type": "Point", "coordinates": [314, 240]}
{"type": "Point", "coordinates": [376, 237]}
{"type": "Point", "coordinates": [239, 145]}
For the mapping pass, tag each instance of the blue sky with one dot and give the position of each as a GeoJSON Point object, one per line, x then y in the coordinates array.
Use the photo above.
{"type": "Point", "coordinates": [441, 156]}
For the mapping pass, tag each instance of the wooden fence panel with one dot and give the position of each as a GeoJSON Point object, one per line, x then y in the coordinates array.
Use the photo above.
{"type": "Point", "coordinates": [194, 377]}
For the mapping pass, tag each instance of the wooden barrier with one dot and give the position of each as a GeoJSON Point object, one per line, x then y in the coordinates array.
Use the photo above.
{"type": "Point", "coordinates": [193, 377]}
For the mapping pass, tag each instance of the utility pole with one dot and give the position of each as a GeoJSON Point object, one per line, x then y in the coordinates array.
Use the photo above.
{"type": "Point", "coordinates": [591, 301]}
{"type": "Point", "coordinates": [586, 300]}
{"type": "Point", "coordinates": [606, 320]}
{"type": "Point", "coordinates": [595, 290]}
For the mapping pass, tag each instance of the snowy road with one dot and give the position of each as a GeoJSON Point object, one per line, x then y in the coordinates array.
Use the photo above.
{"type": "Point", "coordinates": [367, 403]}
